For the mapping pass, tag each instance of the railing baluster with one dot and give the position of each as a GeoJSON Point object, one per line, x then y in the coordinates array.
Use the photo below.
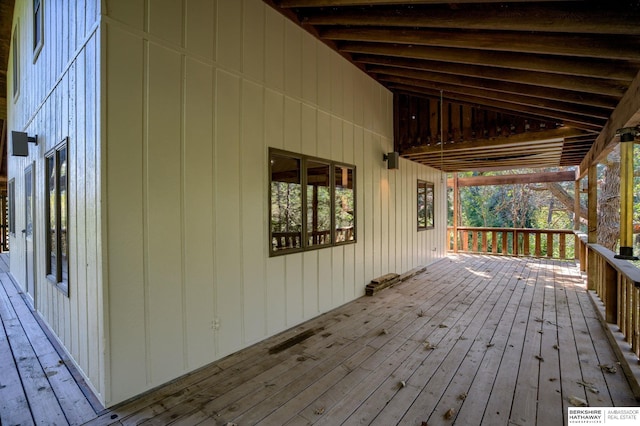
{"type": "Point", "coordinates": [515, 242]}
{"type": "Point", "coordinates": [629, 316]}
{"type": "Point", "coordinates": [635, 346]}
{"type": "Point", "coordinates": [504, 242]}
{"type": "Point", "coordinates": [474, 243]}
{"type": "Point", "coordinates": [494, 241]}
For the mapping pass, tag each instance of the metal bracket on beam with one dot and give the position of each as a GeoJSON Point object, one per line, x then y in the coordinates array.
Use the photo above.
{"type": "Point", "coordinates": [628, 134]}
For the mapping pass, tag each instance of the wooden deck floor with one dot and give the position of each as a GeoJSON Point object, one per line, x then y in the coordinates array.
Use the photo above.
{"type": "Point", "coordinates": [473, 340]}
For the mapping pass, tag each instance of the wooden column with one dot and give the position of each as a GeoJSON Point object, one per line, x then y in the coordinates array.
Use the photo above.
{"type": "Point", "coordinates": [576, 205]}
{"type": "Point", "coordinates": [627, 138]}
{"type": "Point", "coordinates": [592, 234]}
{"type": "Point", "coordinates": [576, 217]}
{"type": "Point", "coordinates": [3, 219]}
{"type": "Point", "coordinates": [455, 212]}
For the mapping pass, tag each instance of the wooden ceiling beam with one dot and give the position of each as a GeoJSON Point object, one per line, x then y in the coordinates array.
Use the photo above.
{"type": "Point", "coordinates": [603, 87]}
{"type": "Point", "coordinates": [587, 123]}
{"type": "Point", "coordinates": [517, 140]}
{"type": "Point", "coordinates": [581, 18]}
{"type": "Point", "coordinates": [617, 70]}
{"type": "Point", "coordinates": [626, 114]}
{"type": "Point", "coordinates": [571, 45]}
{"type": "Point", "coordinates": [487, 166]}
{"type": "Point", "coordinates": [517, 179]}
{"type": "Point", "coordinates": [333, 3]}
{"type": "Point", "coordinates": [581, 98]}
{"type": "Point", "coordinates": [449, 156]}
{"type": "Point", "coordinates": [556, 154]}
{"type": "Point", "coordinates": [534, 162]}
{"type": "Point", "coordinates": [451, 153]}
{"type": "Point", "coordinates": [521, 99]}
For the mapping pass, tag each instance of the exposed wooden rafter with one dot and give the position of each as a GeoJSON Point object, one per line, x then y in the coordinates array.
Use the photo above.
{"type": "Point", "coordinates": [517, 64]}
{"type": "Point", "coordinates": [514, 179]}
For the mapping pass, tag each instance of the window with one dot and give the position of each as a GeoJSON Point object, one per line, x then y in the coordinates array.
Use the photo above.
{"type": "Point", "coordinates": [320, 215]}
{"type": "Point", "coordinates": [11, 211]}
{"type": "Point", "coordinates": [425, 205]}
{"type": "Point", "coordinates": [345, 206]}
{"type": "Point", "coordinates": [57, 258]}
{"type": "Point", "coordinates": [38, 26]}
{"type": "Point", "coordinates": [318, 203]}
{"type": "Point", "coordinates": [15, 66]}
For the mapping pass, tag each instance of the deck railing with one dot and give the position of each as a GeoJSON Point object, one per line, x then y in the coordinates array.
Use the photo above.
{"type": "Point", "coordinates": [617, 283]}
{"type": "Point", "coordinates": [551, 243]}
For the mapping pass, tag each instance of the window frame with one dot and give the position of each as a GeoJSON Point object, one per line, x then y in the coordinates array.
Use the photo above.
{"type": "Point", "coordinates": [38, 28]}
{"type": "Point", "coordinates": [11, 211]}
{"type": "Point", "coordinates": [304, 244]}
{"type": "Point", "coordinates": [57, 277]}
{"type": "Point", "coordinates": [428, 187]}
{"type": "Point", "coordinates": [15, 56]}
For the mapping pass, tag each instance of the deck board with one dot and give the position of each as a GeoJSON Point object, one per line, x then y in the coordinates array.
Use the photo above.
{"type": "Point", "coordinates": [510, 342]}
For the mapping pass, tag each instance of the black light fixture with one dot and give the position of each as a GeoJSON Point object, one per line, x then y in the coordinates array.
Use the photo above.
{"type": "Point", "coordinates": [20, 143]}
{"type": "Point", "coordinates": [392, 159]}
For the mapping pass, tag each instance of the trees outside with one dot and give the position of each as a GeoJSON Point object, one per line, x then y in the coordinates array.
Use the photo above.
{"type": "Point", "coordinates": [514, 206]}
{"type": "Point", "coordinates": [549, 206]}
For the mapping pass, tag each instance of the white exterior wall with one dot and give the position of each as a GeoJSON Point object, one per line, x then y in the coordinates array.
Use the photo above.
{"type": "Point", "coordinates": [58, 98]}
{"type": "Point", "coordinates": [170, 107]}
{"type": "Point", "coordinates": [196, 92]}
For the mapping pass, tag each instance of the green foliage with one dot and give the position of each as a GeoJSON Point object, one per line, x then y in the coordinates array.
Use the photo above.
{"type": "Point", "coordinates": [286, 207]}
{"type": "Point", "coordinates": [509, 206]}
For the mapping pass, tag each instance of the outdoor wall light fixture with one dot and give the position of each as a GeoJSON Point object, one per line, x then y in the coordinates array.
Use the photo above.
{"type": "Point", "coordinates": [392, 159]}
{"type": "Point", "coordinates": [20, 143]}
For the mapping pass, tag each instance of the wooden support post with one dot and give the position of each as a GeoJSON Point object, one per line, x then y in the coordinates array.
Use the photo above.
{"type": "Point", "coordinates": [592, 234]}
{"type": "Point", "coordinates": [455, 212]}
{"type": "Point", "coordinates": [627, 138]}
{"type": "Point", "coordinates": [576, 220]}
{"type": "Point", "coordinates": [611, 293]}
{"type": "Point", "coordinates": [576, 205]}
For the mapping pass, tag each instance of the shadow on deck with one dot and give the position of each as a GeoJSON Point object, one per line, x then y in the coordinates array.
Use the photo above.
{"type": "Point", "coordinates": [473, 340]}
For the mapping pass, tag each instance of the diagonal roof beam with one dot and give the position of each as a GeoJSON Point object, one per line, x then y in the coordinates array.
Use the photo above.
{"type": "Point", "coordinates": [581, 98]}
{"type": "Point", "coordinates": [626, 114]}
{"type": "Point", "coordinates": [605, 87]}
{"type": "Point", "coordinates": [553, 106]}
{"type": "Point", "coordinates": [505, 107]}
{"type": "Point", "coordinates": [578, 45]}
{"type": "Point", "coordinates": [620, 70]}
{"type": "Point", "coordinates": [328, 3]}
{"type": "Point", "coordinates": [609, 17]}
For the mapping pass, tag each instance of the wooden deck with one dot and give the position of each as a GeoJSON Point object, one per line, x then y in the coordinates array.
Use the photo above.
{"type": "Point", "coordinates": [473, 340]}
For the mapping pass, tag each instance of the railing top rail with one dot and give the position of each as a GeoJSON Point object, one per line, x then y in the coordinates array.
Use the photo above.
{"type": "Point", "coordinates": [532, 230]}
{"type": "Point", "coordinates": [624, 267]}
{"type": "Point", "coordinates": [583, 237]}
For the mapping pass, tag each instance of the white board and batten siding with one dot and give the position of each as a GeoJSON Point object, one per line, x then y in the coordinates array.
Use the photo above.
{"type": "Point", "coordinates": [59, 98]}
{"type": "Point", "coordinates": [170, 108]}
{"type": "Point", "coordinates": [196, 93]}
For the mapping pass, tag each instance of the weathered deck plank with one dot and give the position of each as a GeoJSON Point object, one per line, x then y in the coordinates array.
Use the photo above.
{"type": "Point", "coordinates": [43, 404]}
{"type": "Point", "coordinates": [510, 341]}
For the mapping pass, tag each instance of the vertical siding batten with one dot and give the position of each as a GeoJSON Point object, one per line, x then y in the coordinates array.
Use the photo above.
{"type": "Point", "coordinates": [52, 105]}
{"type": "Point", "coordinates": [180, 120]}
